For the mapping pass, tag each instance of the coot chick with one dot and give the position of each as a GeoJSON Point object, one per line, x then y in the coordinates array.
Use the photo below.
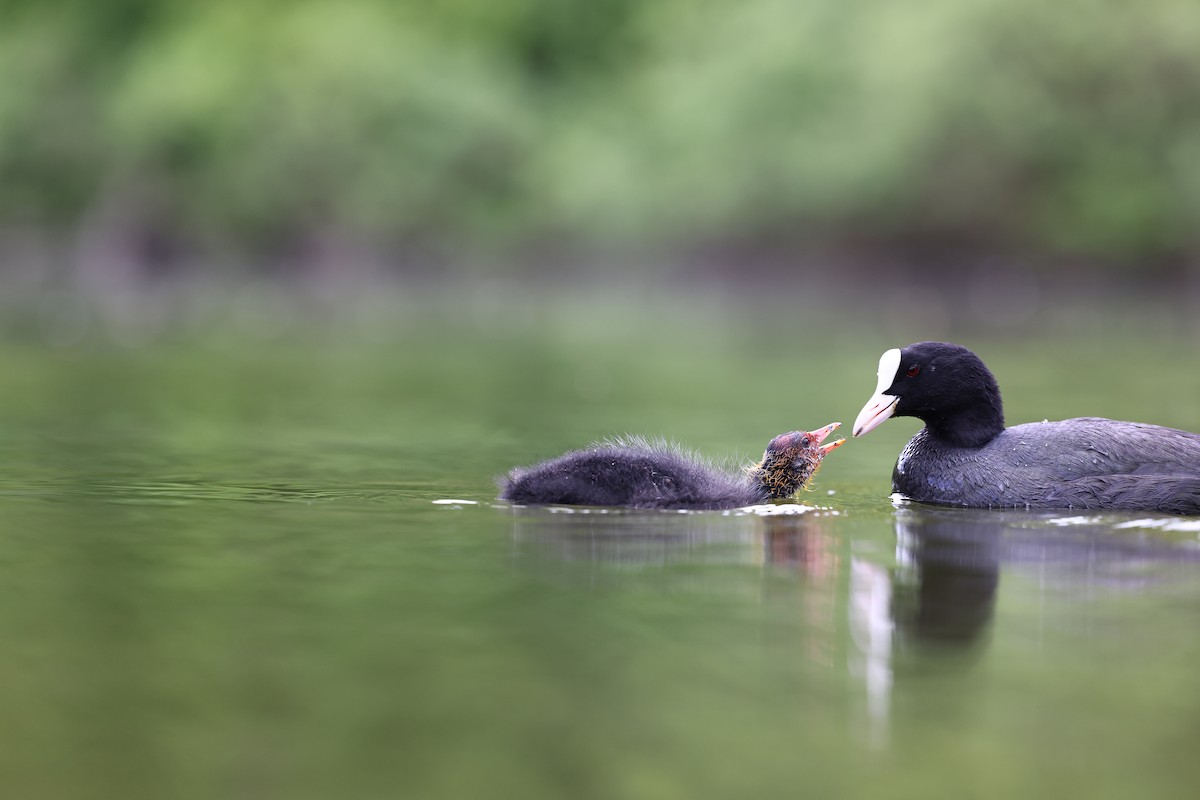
{"type": "Point", "coordinates": [964, 456]}
{"type": "Point", "coordinates": [639, 474]}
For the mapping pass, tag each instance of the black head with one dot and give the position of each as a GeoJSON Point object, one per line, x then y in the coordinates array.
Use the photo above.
{"type": "Point", "coordinates": [944, 385]}
{"type": "Point", "coordinates": [791, 459]}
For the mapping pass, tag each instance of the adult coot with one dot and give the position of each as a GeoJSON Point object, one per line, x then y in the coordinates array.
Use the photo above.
{"type": "Point", "coordinates": [639, 474]}
{"type": "Point", "coordinates": [964, 455]}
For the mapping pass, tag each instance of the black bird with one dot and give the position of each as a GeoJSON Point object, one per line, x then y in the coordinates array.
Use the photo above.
{"type": "Point", "coordinates": [640, 474]}
{"type": "Point", "coordinates": [964, 456]}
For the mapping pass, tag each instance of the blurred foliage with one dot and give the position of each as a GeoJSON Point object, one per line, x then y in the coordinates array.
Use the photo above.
{"type": "Point", "coordinates": [1071, 127]}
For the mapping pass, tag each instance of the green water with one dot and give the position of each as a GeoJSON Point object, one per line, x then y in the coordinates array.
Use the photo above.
{"type": "Point", "coordinates": [224, 573]}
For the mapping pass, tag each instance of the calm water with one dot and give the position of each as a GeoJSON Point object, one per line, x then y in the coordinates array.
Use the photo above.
{"type": "Point", "coordinates": [226, 571]}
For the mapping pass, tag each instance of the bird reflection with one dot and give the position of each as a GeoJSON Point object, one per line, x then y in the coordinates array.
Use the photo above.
{"type": "Point", "coordinates": [834, 599]}
{"type": "Point", "coordinates": [947, 575]}
{"type": "Point", "coordinates": [633, 538]}
{"type": "Point", "coordinates": [802, 542]}
{"type": "Point", "coordinates": [799, 542]}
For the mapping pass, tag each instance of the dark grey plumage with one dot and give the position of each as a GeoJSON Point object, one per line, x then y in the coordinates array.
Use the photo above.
{"type": "Point", "coordinates": [1086, 463]}
{"type": "Point", "coordinates": [635, 473]}
{"type": "Point", "coordinates": [966, 457]}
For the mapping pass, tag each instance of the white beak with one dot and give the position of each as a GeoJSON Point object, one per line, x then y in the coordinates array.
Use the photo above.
{"type": "Point", "coordinates": [874, 413]}
{"type": "Point", "coordinates": [881, 405]}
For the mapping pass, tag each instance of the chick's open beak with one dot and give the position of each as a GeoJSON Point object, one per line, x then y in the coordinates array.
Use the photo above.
{"type": "Point", "coordinates": [820, 434]}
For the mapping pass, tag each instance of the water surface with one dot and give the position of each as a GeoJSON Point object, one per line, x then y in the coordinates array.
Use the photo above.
{"type": "Point", "coordinates": [226, 571]}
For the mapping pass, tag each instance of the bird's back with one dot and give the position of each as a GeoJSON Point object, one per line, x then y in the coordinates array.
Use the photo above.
{"type": "Point", "coordinates": [633, 473]}
{"type": "Point", "coordinates": [1087, 462]}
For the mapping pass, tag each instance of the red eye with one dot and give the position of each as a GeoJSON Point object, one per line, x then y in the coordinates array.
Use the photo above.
{"type": "Point", "coordinates": [913, 371]}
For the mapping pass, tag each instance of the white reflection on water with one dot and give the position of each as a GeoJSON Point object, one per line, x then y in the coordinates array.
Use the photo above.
{"type": "Point", "coordinates": [871, 627]}
{"type": "Point", "coordinates": [1172, 524]}
{"type": "Point", "coordinates": [760, 510]}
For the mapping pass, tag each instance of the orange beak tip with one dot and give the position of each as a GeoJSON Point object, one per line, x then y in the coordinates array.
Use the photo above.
{"type": "Point", "coordinates": [829, 448]}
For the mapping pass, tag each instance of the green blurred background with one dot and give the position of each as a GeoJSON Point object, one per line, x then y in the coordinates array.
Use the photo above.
{"type": "Point", "coordinates": [154, 144]}
{"type": "Point", "coordinates": [277, 279]}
